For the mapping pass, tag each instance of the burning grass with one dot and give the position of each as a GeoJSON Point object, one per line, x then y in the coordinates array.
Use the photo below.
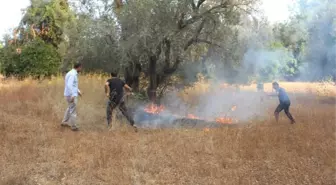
{"type": "Point", "coordinates": [163, 116]}
{"type": "Point", "coordinates": [154, 109]}
{"type": "Point", "coordinates": [36, 150]}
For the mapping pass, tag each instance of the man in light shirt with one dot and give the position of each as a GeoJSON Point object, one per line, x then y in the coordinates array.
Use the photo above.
{"type": "Point", "coordinates": [71, 92]}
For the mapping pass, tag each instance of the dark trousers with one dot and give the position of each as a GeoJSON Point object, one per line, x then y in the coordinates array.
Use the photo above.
{"type": "Point", "coordinates": [111, 105]}
{"type": "Point", "coordinates": [283, 106]}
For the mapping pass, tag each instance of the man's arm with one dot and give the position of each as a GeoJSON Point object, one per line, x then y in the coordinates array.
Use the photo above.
{"type": "Point", "coordinates": [107, 89]}
{"type": "Point", "coordinates": [79, 93]}
{"type": "Point", "coordinates": [272, 94]}
{"type": "Point", "coordinates": [70, 86]}
{"type": "Point", "coordinates": [128, 87]}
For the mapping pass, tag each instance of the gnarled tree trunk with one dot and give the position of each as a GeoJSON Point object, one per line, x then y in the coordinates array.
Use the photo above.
{"type": "Point", "coordinates": [132, 75]}
{"type": "Point", "coordinates": [151, 90]}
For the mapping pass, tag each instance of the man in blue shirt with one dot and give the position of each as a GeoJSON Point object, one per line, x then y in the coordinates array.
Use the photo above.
{"type": "Point", "coordinates": [71, 92]}
{"type": "Point", "coordinates": [284, 102]}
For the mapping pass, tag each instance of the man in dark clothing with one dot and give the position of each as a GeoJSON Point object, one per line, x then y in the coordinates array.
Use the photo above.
{"type": "Point", "coordinates": [114, 89]}
{"type": "Point", "coordinates": [284, 102]}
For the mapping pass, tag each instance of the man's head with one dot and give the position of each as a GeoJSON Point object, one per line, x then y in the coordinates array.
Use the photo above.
{"type": "Point", "coordinates": [275, 85]}
{"type": "Point", "coordinates": [114, 74]}
{"type": "Point", "coordinates": [78, 67]}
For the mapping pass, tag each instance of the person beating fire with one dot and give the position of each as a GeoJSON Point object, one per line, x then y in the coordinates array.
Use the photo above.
{"type": "Point", "coordinates": [114, 89]}
{"type": "Point", "coordinates": [284, 102]}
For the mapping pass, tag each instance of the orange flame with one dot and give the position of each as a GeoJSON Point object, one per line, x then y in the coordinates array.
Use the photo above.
{"type": "Point", "coordinates": [154, 109]}
{"type": "Point", "coordinates": [224, 120]}
{"type": "Point", "coordinates": [191, 116]}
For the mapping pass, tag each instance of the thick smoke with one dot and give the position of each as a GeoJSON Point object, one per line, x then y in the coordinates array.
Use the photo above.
{"type": "Point", "coordinates": [320, 22]}
{"type": "Point", "coordinates": [265, 64]}
{"type": "Point", "coordinates": [313, 26]}
{"type": "Point", "coordinates": [216, 102]}
{"type": "Point", "coordinates": [212, 101]}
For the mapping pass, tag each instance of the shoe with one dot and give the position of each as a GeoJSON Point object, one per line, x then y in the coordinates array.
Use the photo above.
{"type": "Point", "coordinates": [75, 129]}
{"type": "Point", "coordinates": [64, 124]}
{"type": "Point", "coordinates": [135, 128]}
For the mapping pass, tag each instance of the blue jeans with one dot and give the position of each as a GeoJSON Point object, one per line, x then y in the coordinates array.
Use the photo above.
{"type": "Point", "coordinates": [283, 106]}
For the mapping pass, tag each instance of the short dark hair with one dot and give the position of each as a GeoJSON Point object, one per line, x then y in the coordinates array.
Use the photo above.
{"type": "Point", "coordinates": [114, 74]}
{"type": "Point", "coordinates": [275, 84]}
{"type": "Point", "coordinates": [77, 65]}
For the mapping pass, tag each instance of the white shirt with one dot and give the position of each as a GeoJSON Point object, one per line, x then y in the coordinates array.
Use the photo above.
{"type": "Point", "coordinates": [71, 84]}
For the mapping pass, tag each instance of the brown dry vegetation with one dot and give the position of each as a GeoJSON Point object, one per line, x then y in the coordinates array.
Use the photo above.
{"type": "Point", "coordinates": [36, 150]}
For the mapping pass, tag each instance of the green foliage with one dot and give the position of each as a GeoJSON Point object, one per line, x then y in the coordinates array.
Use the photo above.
{"type": "Point", "coordinates": [291, 38]}
{"type": "Point", "coordinates": [268, 72]}
{"type": "Point", "coordinates": [140, 96]}
{"type": "Point", "coordinates": [276, 45]}
{"type": "Point", "coordinates": [274, 62]}
{"type": "Point", "coordinates": [49, 19]}
{"type": "Point", "coordinates": [37, 59]}
{"type": "Point", "coordinates": [42, 40]}
{"type": "Point", "coordinates": [291, 68]}
{"type": "Point", "coordinates": [1, 57]}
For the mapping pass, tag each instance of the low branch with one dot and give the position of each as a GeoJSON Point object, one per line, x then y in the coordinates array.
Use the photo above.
{"type": "Point", "coordinates": [193, 41]}
{"type": "Point", "coordinates": [180, 22]}
{"type": "Point", "coordinates": [110, 38]}
{"type": "Point", "coordinates": [200, 28]}
{"type": "Point", "coordinates": [189, 43]}
{"type": "Point", "coordinates": [247, 11]}
{"type": "Point", "coordinates": [172, 69]}
{"type": "Point", "coordinates": [193, 19]}
{"type": "Point", "coordinates": [200, 2]}
{"type": "Point", "coordinates": [193, 4]}
{"type": "Point", "coordinates": [207, 42]}
{"type": "Point", "coordinates": [195, 37]}
{"type": "Point", "coordinates": [197, 17]}
{"type": "Point", "coordinates": [158, 50]}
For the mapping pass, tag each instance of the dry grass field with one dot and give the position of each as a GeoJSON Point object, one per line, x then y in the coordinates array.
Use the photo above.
{"type": "Point", "coordinates": [36, 150]}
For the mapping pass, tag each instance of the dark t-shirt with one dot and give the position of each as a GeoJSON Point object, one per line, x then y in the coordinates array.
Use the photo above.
{"type": "Point", "coordinates": [116, 89]}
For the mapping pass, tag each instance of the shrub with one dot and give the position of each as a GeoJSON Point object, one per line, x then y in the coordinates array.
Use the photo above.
{"type": "Point", "coordinates": [36, 59]}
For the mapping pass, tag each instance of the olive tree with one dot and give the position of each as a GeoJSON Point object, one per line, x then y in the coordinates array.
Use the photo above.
{"type": "Point", "coordinates": [161, 33]}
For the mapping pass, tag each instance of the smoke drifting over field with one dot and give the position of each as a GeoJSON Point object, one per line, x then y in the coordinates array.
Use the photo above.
{"type": "Point", "coordinates": [262, 60]}
{"type": "Point", "coordinates": [321, 42]}
{"type": "Point", "coordinates": [214, 105]}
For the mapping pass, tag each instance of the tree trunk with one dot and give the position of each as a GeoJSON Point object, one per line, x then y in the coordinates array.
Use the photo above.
{"type": "Point", "coordinates": [136, 83]}
{"type": "Point", "coordinates": [132, 81]}
{"type": "Point", "coordinates": [132, 76]}
{"type": "Point", "coordinates": [151, 91]}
